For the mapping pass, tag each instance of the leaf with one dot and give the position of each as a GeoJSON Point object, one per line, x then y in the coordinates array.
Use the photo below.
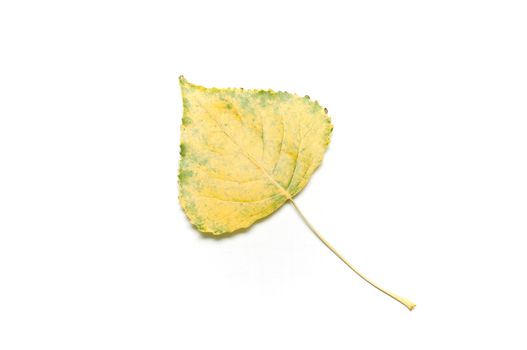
{"type": "Point", "coordinates": [244, 153]}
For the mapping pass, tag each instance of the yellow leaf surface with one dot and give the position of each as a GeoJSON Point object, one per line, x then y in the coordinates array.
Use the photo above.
{"type": "Point", "coordinates": [244, 153]}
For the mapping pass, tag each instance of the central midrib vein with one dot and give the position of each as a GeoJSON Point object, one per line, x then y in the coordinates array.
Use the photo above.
{"type": "Point", "coordinates": [257, 164]}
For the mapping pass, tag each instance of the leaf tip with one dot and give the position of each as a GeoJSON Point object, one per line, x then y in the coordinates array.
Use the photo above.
{"type": "Point", "coordinates": [182, 80]}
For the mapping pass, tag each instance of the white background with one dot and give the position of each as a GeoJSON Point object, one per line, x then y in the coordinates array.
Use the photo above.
{"type": "Point", "coordinates": [423, 187]}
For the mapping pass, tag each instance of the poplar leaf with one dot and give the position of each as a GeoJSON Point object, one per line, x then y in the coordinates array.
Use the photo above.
{"type": "Point", "coordinates": [244, 153]}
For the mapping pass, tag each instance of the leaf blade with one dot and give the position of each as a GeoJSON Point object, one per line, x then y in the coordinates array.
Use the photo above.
{"type": "Point", "coordinates": [267, 143]}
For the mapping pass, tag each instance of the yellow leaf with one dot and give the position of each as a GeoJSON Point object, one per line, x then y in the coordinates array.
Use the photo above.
{"type": "Point", "coordinates": [244, 153]}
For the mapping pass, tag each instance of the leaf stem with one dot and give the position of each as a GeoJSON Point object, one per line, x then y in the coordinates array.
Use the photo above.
{"type": "Point", "coordinates": [410, 305]}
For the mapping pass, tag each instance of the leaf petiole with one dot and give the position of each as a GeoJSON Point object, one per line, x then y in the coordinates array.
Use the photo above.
{"type": "Point", "coordinates": [410, 305]}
